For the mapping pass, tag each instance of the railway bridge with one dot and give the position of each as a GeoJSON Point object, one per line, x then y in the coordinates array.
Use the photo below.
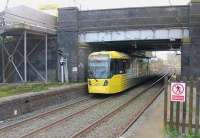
{"type": "Point", "coordinates": [128, 30]}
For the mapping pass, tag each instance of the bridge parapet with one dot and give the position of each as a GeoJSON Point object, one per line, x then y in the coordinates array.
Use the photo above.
{"type": "Point", "coordinates": [133, 18]}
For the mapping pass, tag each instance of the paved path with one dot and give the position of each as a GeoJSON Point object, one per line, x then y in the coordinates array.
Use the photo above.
{"type": "Point", "coordinates": [150, 124]}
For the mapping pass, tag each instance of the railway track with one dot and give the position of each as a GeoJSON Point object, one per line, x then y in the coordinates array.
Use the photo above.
{"type": "Point", "coordinates": [121, 131]}
{"type": "Point", "coordinates": [67, 118]}
{"type": "Point", "coordinates": [83, 131]}
{"type": "Point", "coordinates": [136, 116]}
{"type": "Point", "coordinates": [46, 114]}
{"type": "Point", "coordinates": [40, 115]}
{"type": "Point", "coordinates": [64, 119]}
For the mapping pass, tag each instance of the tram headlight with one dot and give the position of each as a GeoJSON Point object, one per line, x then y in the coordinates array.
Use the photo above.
{"type": "Point", "coordinates": [105, 83]}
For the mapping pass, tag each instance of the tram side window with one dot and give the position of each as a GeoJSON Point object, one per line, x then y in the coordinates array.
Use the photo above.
{"type": "Point", "coordinates": [128, 66]}
{"type": "Point", "coordinates": [122, 64]}
{"type": "Point", "coordinates": [113, 67]}
{"type": "Point", "coordinates": [118, 67]}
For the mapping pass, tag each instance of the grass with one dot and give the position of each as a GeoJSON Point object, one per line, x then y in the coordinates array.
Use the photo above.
{"type": "Point", "coordinates": [173, 133]}
{"type": "Point", "coordinates": [15, 89]}
{"type": "Point", "coordinates": [192, 135]}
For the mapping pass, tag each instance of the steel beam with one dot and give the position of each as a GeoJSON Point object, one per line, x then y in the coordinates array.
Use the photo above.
{"type": "Point", "coordinates": [137, 34]}
{"type": "Point", "coordinates": [25, 55]}
{"type": "Point", "coordinates": [17, 45]}
{"type": "Point", "coordinates": [46, 58]}
{"type": "Point", "coordinates": [10, 60]}
{"type": "Point", "coordinates": [10, 74]}
{"type": "Point", "coordinates": [28, 54]}
{"type": "Point", "coordinates": [16, 70]}
{"type": "Point", "coordinates": [3, 59]}
{"type": "Point", "coordinates": [31, 65]}
{"type": "Point", "coordinates": [34, 48]}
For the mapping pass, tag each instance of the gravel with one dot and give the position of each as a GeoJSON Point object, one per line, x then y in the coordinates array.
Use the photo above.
{"type": "Point", "coordinates": [28, 115]}
{"type": "Point", "coordinates": [110, 128]}
{"type": "Point", "coordinates": [74, 125]}
{"type": "Point", "coordinates": [40, 122]}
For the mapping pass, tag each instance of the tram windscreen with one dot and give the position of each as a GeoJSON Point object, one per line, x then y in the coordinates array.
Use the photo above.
{"type": "Point", "coordinates": [99, 69]}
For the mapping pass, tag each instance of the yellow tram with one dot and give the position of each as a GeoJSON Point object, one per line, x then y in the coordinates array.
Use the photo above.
{"type": "Point", "coordinates": [112, 72]}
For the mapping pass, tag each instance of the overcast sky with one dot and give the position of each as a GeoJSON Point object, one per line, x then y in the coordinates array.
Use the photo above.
{"type": "Point", "coordinates": [92, 4]}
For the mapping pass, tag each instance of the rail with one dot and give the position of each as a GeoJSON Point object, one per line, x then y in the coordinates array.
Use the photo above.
{"type": "Point", "coordinates": [89, 128]}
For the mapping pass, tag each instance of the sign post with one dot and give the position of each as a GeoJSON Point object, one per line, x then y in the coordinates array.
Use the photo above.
{"type": "Point", "coordinates": [178, 92]}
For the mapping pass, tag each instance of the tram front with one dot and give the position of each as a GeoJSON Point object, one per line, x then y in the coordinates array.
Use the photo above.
{"type": "Point", "coordinates": [98, 73]}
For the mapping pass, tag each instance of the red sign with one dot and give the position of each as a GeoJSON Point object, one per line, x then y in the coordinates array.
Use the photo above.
{"type": "Point", "coordinates": [178, 92]}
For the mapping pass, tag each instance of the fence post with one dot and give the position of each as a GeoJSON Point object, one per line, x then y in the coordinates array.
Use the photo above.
{"type": "Point", "coordinates": [197, 108]}
{"type": "Point", "coordinates": [171, 111]}
{"type": "Point", "coordinates": [184, 108]}
{"type": "Point", "coordinates": [165, 100]}
{"type": "Point", "coordinates": [177, 110]}
{"type": "Point", "coordinates": [190, 103]}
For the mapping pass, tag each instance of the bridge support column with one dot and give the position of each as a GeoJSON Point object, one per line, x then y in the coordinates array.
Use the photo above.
{"type": "Point", "coordinates": [84, 52]}
{"type": "Point", "coordinates": [68, 40]}
{"type": "Point", "coordinates": [191, 52]}
{"type": "Point", "coordinates": [185, 59]}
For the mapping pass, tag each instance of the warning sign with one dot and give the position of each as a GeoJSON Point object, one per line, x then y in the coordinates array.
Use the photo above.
{"type": "Point", "coordinates": [178, 92]}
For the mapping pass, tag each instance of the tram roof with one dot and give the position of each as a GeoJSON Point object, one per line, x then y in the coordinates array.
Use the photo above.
{"type": "Point", "coordinates": [112, 54]}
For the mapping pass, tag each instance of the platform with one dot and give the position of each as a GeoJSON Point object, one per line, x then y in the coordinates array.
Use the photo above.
{"type": "Point", "coordinates": [29, 102]}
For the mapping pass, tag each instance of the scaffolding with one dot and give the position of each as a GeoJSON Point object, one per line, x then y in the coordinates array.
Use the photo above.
{"type": "Point", "coordinates": [25, 35]}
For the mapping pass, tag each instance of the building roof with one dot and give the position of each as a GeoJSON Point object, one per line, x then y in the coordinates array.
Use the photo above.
{"type": "Point", "coordinates": [23, 17]}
